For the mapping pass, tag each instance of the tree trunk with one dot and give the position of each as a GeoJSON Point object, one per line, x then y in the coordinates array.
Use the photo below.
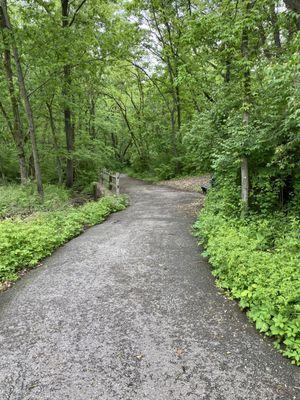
{"type": "Point", "coordinates": [19, 142]}
{"type": "Point", "coordinates": [245, 183]}
{"type": "Point", "coordinates": [174, 140]}
{"type": "Point", "coordinates": [92, 127]}
{"type": "Point", "coordinates": [174, 111]}
{"type": "Point", "coordinates": [276, 30]}
{"type": "Point", "coordinates": [178, 107]}
{"type": "Point", "coordinates": [245, 172]}
{"type": "Point", "coordinates": [16, 129]}
{"type": "Point", "coordinates": [55, 144]}
{"type": "Point", "coordinates": [67, 80]}
{"type": "Point", "coordinates": [26, 102]}
{"type": "Point", "coordinates": [246, 115]}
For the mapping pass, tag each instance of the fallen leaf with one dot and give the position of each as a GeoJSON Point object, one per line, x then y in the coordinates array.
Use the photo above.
{"type": "Point", "coordinates": [179, 352]}
{"type": "Point", "coordinates": [139, 356]}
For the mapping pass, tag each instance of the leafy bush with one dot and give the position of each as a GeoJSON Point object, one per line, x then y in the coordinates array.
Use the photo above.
{"type": "Point", "coordinates": [258, 260]}
{"type": "Point", "coordinates": [24, 242]}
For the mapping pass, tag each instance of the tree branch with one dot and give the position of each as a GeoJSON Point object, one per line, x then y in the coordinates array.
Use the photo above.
{"type": "Point", "coordinates": [76, 12]}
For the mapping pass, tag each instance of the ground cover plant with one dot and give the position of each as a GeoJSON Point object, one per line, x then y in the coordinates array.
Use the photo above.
{"type": "Point", "coordinates": [258, 261]}
{"type": "Point", "coordinates": [24, 242]}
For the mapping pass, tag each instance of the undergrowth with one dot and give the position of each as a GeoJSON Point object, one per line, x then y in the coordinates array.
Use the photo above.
{"type": "Point", "coordinates": [24, 242]}
{"type": "Point", "coordinates": [258, 260]}
{"type": "Point", "coordinates": [23, 199]}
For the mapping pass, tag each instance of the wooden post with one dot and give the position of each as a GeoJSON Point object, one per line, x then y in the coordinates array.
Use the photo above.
{"type": "Point", "coordinates": [117, 183]}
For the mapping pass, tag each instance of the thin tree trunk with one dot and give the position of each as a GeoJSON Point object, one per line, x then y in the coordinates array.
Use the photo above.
{"type": "Point", "coordinates": [3, 177]}
{"type": "Point", "coordinates": [245, 172]}
{"type": "Point", "coordinates": [92, 128]}
{"type": "Point", "coordinates": [55, 143]}
{"type": "Point", "coordinates": [67, 80]}
{"type": "Point", "coordinates": [245, 182]}
{"type": "Point", "coordinates": [31, 124]}
{"type": "Point", "coordinates": [276, 30]}
{"type": "Point", "coordinates": [246, 114]}
{"type": "Point", "coordinates": [174, 141]}
{"type": "Point", "coordinates": [178, 107]}
{"type": "Point", "coordinates": [26, 102]}
{"type": "Point", "coordinates": [175, 110]}
{"type": "Point", "coordinates": [19, 145]}
{"type": "Point", "coordinates": [68, 128]}
{"type": "Point", "coordinates": [15, 129]}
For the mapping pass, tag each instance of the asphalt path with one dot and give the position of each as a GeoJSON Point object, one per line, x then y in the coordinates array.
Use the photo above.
{"type": "Point", "coordinates": [129, 311]}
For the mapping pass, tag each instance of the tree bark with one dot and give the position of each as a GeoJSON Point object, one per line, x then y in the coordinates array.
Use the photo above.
{"type": "Point", "coordinates": [69, 132]}
{"type": "Point", "coordinates": [174, 141]}
{"type": "Point", "coordinates": [276, 30]}
{"type": "Point", "coordinates": [245, 171]}
{"type": "Point", "coordinates": [16, 128]}
{"type": "Point", "coordinates": [245, 183]}
{"type": "Point", "coordinates": [55, 144]}
{"type": "Point", "coordinates": [246, 114]}
{"type": "Point", "coordinates": [27, 104]}
{"type": "Point", "coordinates": [67, 80]}
{"type": "Point", "coordinates": [19, 145]}
{"type": "Point", "coordinates": [92, 110]}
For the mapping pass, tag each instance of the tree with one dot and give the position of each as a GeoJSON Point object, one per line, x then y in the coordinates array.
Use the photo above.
{"type": "Point", "coordinates": [15, 127]}
{"type": "Point", "coordinates": [23, 90]}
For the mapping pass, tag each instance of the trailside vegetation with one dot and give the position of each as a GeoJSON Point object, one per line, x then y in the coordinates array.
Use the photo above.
{"type": "Point", "coordinates": [256, 259]}
{"type": "Point", "coordinates": [163, 89]}
{"type": "Point", "coordinates": [24, 242]}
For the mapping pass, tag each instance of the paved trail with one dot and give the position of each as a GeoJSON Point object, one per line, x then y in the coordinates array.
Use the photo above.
{"type": "Point", "coordinates": [129, 311]}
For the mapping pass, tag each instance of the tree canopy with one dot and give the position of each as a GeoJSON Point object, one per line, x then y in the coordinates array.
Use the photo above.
{"type": "Point", "coordinates": [161, 87]}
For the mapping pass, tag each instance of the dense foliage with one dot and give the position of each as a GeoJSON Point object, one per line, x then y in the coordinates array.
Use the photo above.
{"type": "Point", "coordinates": [161, 87]}
{"type": "Point", "coordinates": [24, 242]}
{"type": "Point", "coordinates": [257, 259]}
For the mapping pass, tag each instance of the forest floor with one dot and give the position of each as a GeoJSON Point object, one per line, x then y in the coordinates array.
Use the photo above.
{"type": "Point", "coordinates": [190, 184]}
{"type": "Point", "coordinates": [129, 311]}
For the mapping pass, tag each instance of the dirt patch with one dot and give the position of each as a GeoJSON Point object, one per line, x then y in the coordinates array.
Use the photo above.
{"type": "Point", "coordinates": [190, 184]}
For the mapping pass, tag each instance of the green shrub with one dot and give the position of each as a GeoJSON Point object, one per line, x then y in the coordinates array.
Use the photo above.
{"type": "Point", "coordinates": [23, 243]}
{"type": "Point", "coordinates": [258, 261]}
{"type": "Point", "coordinates": [17, 199]}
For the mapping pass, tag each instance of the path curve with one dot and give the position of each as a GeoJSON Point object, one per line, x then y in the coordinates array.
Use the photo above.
{"type": "Point", "coordinates": [129, 311]}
